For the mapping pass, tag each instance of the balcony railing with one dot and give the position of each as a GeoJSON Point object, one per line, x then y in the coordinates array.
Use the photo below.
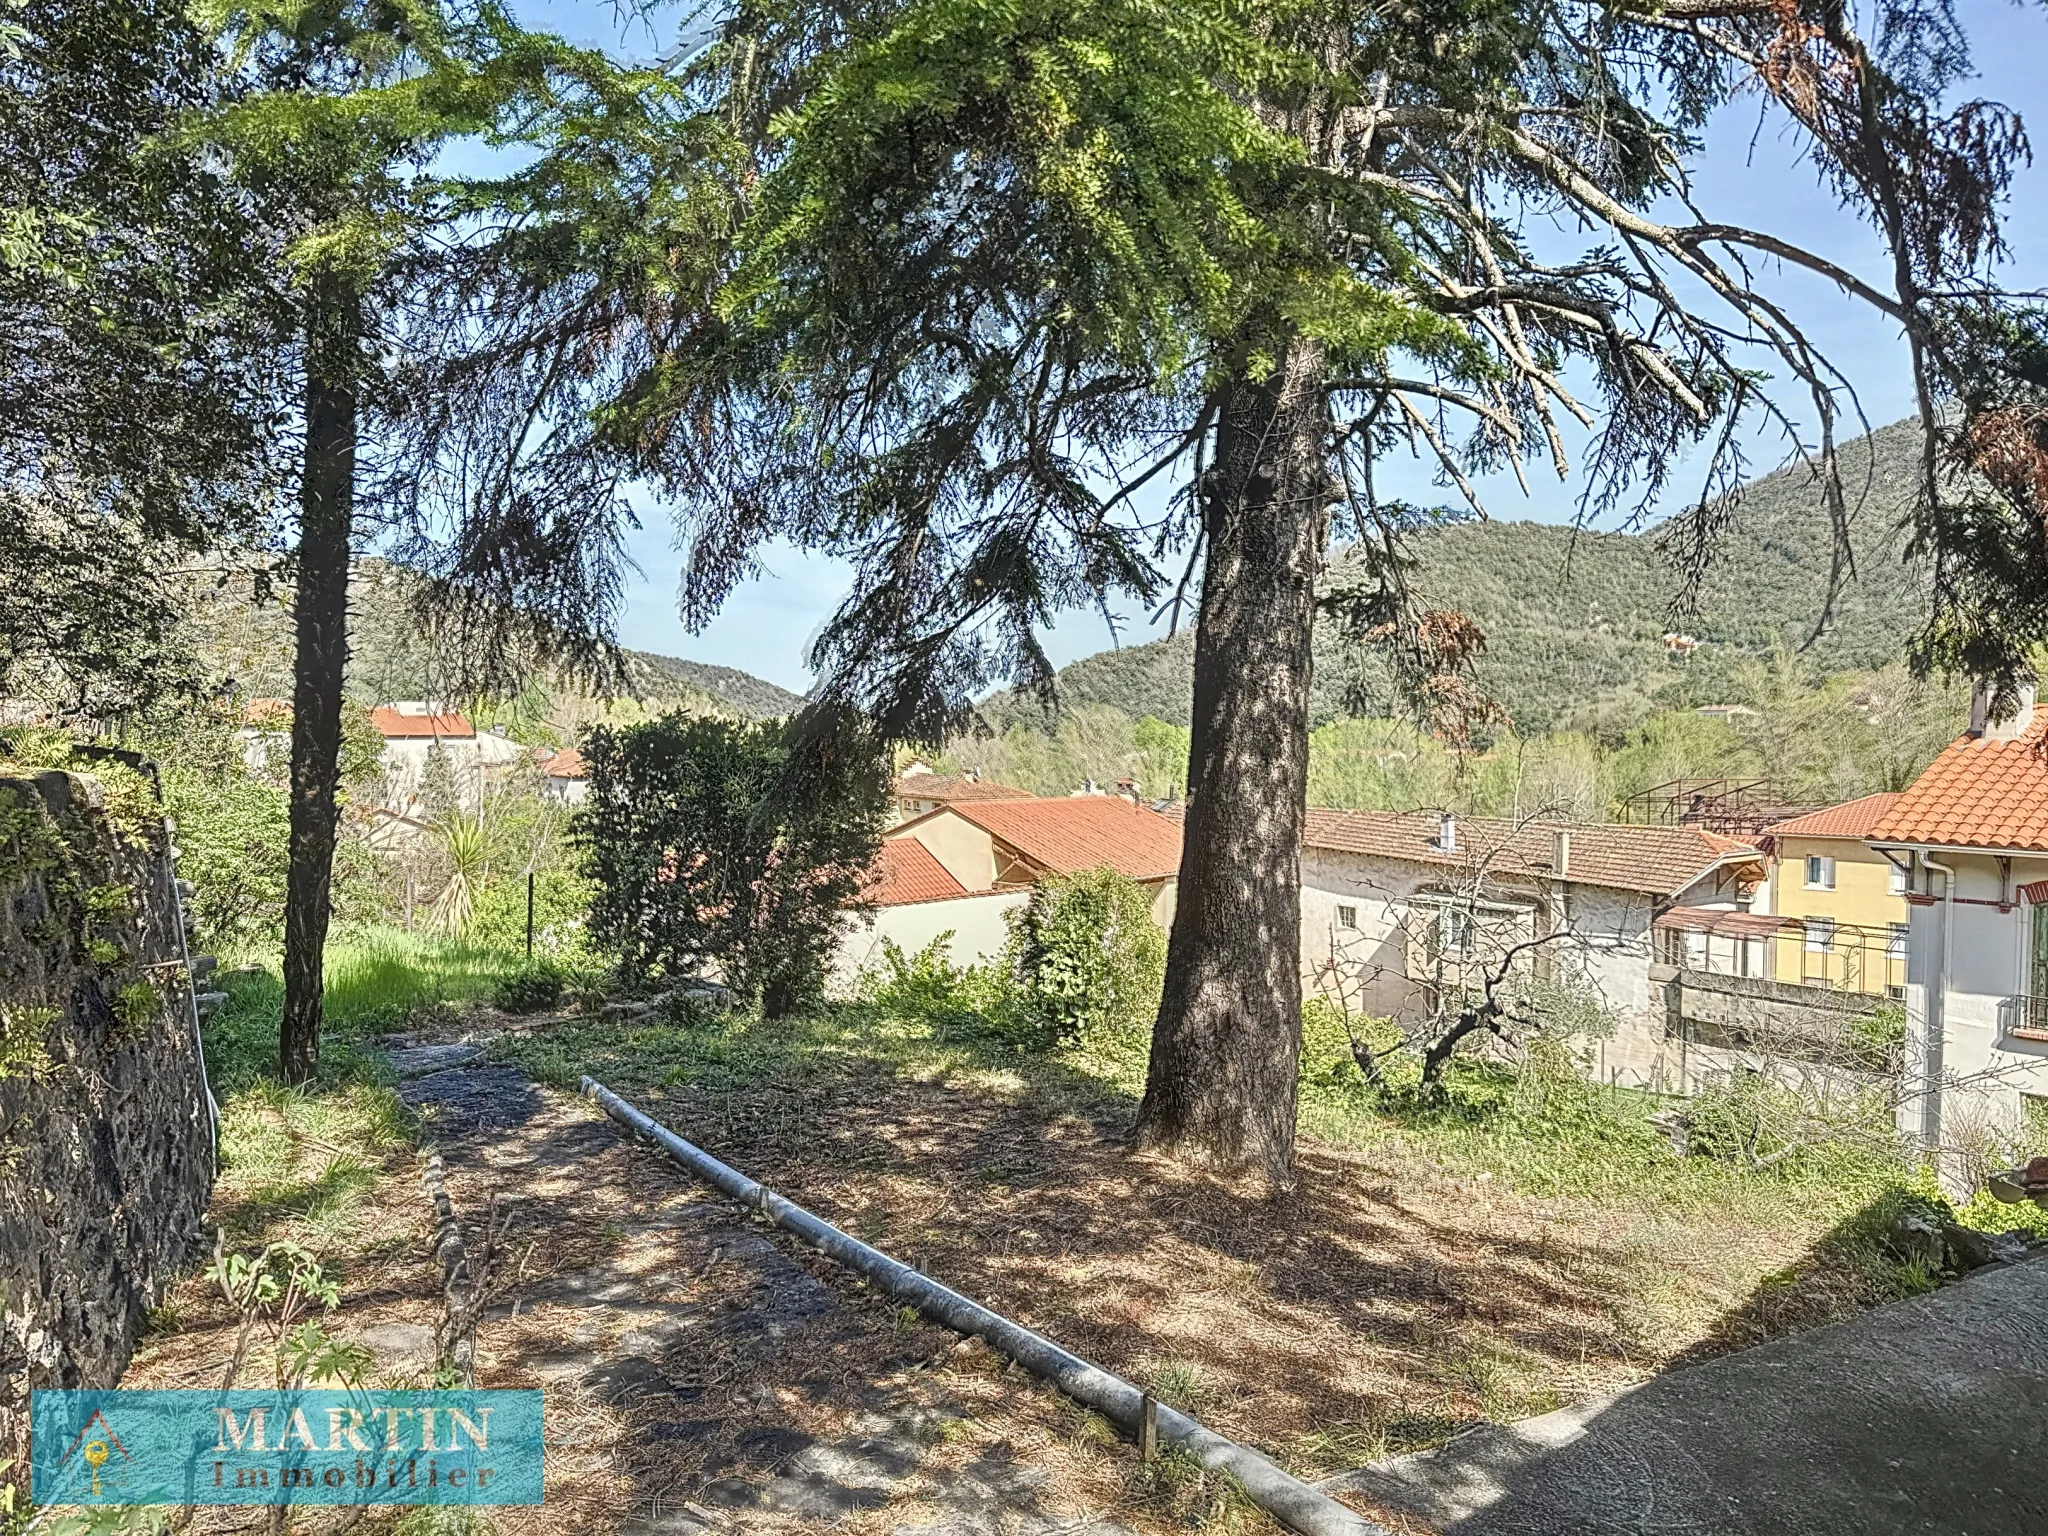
{"type": "Point", "coordinates": [2024, 1018]}
{"type": "Point", "coordinates": [1838, 958]}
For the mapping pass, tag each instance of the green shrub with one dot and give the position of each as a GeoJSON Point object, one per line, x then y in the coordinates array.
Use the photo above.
{"type": "Point", "coordinates": [1089, 958]}
{"type": "Point", "coordinates": [739, 844]}
{"type": "Point", "coordinates": [926, 985]}
{"type": "Point", "coordinates": [531, 988]}
{"type": "Point", "coordinates": [561, 909]}
{"type": "Point", "coordinates": [1326, 1058]}
{"type": "Point", "coordinates": [1749, 1119]}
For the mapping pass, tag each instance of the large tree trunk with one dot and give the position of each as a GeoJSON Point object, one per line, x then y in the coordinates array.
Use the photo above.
{"type": "Point", "coordinates": [1220, 1089]}
{"type": "Point", "coordinates": [326, 510]}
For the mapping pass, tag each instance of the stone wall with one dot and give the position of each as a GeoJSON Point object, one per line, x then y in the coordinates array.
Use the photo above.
{"type": "Point", "coordinates": [106, 1132]}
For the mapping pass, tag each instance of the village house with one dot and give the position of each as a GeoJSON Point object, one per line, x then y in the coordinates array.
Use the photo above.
{"type": "Point", "coordinates": [962, 868]}
{"type": "Point", "coordinates": [1400, 911]}
{"type": "Point", "coordinates": [1971, 838]}
{"type": "Point", "coordinates": [1840, 904]}
{"type": "Point", "coordinates": [412, 729]}
{"type": "Point", "coordinates": [920, 791]}
{"type": "Point", "coordinates": [265, 733]}
{"type": "Point", "coordinates": [563, 775]}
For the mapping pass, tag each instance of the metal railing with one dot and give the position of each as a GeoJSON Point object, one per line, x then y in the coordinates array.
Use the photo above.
{"type": "Point", "coordinates": [1841, 958]}
{"type": "Point", "coordinates": [2024, 1018]}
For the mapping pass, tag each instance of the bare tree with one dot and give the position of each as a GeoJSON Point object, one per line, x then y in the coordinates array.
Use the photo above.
{"type": "Point", "coordinates": [1489, 950]}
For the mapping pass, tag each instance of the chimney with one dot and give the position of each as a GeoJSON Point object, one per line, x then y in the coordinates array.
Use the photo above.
{"type": "Point", "coordinates": [1446, 832]}
{"type": "Point", "coordinates": [1561, 853]}
{"type": "Point", "coordinates": [1982, 723]}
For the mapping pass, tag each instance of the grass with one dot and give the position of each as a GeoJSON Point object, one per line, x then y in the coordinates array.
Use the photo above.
{"type": "Point", "coordinates": [378, 980]}
{"type": "Point", "coordinates": [1526, 1240]}
{"type": "Point", "coordinates": [305, 1162]}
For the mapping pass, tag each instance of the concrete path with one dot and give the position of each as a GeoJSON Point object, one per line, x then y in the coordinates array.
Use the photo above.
{"type": "Point", "coordinates": [1927, 1416]}
{"type": "Point", "coordinates": [731, 1382]}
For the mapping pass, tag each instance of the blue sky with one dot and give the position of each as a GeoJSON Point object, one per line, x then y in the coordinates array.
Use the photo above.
{"type": "Point", "coordinates": [1750, 172]}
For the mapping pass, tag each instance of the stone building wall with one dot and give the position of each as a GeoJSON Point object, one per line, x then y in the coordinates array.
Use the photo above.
{"type": "Point", "coordinates": [106, 1129]}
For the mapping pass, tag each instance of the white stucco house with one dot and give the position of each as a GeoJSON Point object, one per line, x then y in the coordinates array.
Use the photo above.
{"type": "Point", "coordinates": [964, 867]}
{"type": "Point", "coordinates": [563, 774]}
{"type": "Point", "coordinates": [1397, 907]}
{"type": "Point", "coordinates": [413, 728]}
{"type": "Point", "coordinates": [1971, 835]}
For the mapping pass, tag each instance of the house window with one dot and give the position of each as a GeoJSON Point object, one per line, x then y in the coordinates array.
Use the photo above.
{"type": "Point", "coordinates": [1896, 885]}
{"type": "Point", "coordinates": [1901, 936]}
{"type": "Point", "coordinates": [1820, 872]}
{"type": "Point", "coordinates": [2039, 984]}
{"type": "Point", "coordinates": [1820, 934]}
{"type": "Point", "coordinates": [1456, 929]}
{"type": "Point", "coordinates": [1347, 917]}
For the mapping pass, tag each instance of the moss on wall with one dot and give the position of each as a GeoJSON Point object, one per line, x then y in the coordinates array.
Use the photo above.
{"type": "Point", "coordinates": [106, 1152]}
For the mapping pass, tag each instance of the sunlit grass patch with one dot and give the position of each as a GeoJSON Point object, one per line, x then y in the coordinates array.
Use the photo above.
{"type": "Point", "coordinates": [378, 980]}
{"type": "Point", "coordinates": [300, 1162]}
{"type": "Point", "coordinates": [377, 977]}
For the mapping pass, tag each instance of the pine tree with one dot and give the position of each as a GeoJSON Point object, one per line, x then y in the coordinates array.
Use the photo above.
{"type": "Point", "coordinates": [950, 280]}
{"type": "Point", "coordinates": [342, 108]}
{"type": "Point", "coordinates": [134, 390]}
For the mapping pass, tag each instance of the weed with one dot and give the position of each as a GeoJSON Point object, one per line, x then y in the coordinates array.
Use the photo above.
{"type": "Point", "coordinates": [531, 988]}
{"type": "Point", "coordinates": [137, 1004]}
{"type": "Point", "coordinates": [1343, 1447]}
{"type": "Point", "coordinates": [23, 1031]}
{"type": "Point", "coordinates": [160, 1320]}
{"type": "Point", "coordinates": [1091, 1428]}
{"type": "Point", "coordinates": [1180, 1383]}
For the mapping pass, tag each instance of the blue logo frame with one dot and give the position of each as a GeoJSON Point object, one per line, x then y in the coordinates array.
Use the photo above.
{"type": "Point", "coordinates": [299, 1447]}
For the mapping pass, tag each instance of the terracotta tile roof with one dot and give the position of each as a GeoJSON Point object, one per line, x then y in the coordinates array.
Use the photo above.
{"type": "Point", "coordinates": [1082, 832]}
{"type": "Point", "coordinates": [905, 872]}
{"type": "Point", "coordinates": [565, 764]}
{"type": "Point", "coordinates": [267, 712]}
{"type": "Point", "coordinates": [1661, 861]}
{"type": "Point", "coordinates": [393, 724]}
{"type": "Point", "coordinates": [1852, 818]}
{"type": "Point", "coordinates": [1978, 794]}
{"type": "Point", "coordinates": [945, 788]}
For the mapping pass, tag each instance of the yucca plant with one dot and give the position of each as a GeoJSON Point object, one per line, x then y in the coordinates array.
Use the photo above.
{"type": "Point", "coordinates": [462, 840]}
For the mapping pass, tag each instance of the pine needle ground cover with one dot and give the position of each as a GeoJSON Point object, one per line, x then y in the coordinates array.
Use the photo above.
{"type": "Point", "coordinates": [1514, 1248]}
{"type": "Point", "coordinates": [603, 1239]}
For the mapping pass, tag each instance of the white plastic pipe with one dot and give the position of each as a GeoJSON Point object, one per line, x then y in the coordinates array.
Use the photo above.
{"type": "Point", "coordinates": [1286, 1498]}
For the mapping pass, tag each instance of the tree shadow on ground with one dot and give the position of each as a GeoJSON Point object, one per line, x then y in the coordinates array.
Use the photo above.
{"type": "Point", "coordinates": [1322, 1323]}
{"type": "Point", "coordinates": [1851, 1268]}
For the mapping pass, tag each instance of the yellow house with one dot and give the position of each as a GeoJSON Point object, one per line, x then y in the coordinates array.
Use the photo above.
{"type": "Point", "coordinates": [1841, 903]}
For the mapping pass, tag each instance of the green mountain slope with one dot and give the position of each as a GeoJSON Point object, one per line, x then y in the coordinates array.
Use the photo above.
{"type": "Point", "coordinates": [1575, 619]}
{"type": "Point", "coordinates": [251, 644]}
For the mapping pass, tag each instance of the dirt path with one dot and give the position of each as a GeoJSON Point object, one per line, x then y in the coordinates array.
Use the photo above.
{"type": "Point", "coordinates": [701, 1375]}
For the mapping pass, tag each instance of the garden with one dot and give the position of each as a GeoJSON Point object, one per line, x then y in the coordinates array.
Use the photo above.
{"type": "Point", "coordinates": [1506, 1240]}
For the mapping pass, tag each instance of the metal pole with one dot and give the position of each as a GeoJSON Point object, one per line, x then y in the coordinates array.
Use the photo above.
{"type": "Point", "coordinates": [1288, 1499]}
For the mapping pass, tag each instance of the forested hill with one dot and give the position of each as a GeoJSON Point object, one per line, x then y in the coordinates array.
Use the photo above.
{"type": "Point", "coordinates": [1574, 620]}
{"type": "Point", "coordinates": [390, 659]}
